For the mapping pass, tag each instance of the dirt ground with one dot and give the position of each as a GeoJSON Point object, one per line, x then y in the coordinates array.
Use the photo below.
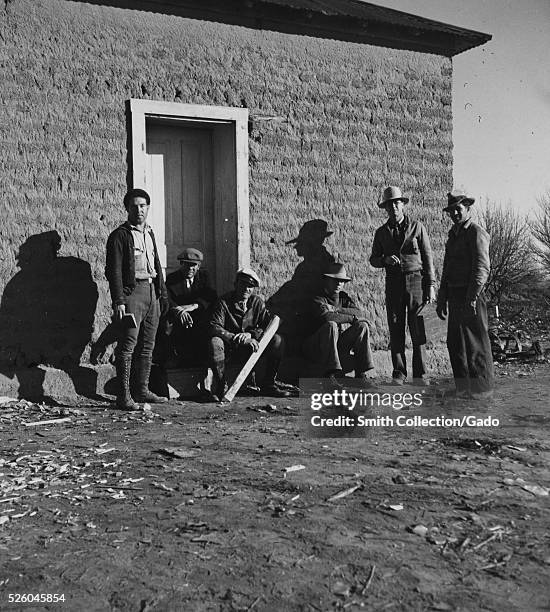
{"type": "Point", "coordinates": [96, 509]}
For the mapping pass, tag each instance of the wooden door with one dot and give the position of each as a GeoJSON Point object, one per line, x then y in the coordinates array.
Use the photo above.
{"type": "Point", "coordinates": [179, 167]}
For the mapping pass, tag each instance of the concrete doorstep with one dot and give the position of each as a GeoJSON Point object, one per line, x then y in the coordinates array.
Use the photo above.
{"type": "Point", "coordinates": [43, 382]}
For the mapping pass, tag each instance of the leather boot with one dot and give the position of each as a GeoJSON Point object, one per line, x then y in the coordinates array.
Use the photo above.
{"type": "Point", "coordinates": [143, 369]}
{"type": "Point", "coordinates": [124, 399]}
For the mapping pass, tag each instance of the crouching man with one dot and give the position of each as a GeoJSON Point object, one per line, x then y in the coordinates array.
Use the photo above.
{"type": "Point", "coordinates": [137, 288]}
{"type": "Point", "coordinates": [331, 345]}
{"type": "Point", "coordinates": [238, 321]}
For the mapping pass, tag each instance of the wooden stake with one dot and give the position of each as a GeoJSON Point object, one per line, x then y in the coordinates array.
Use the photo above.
{"type": "Point", "coordinates": [252, 360]}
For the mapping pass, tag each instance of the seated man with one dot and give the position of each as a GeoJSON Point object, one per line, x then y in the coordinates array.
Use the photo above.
{"type": "Point", "coordinates": [330, 345]}
{"type": "Point", "coordinates": [238, 321]}
{"type": "Point", "coordinates": [191, 298]}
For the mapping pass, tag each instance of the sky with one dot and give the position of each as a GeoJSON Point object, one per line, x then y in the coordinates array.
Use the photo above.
{"type": "Point", "coordinates": [501, 97]}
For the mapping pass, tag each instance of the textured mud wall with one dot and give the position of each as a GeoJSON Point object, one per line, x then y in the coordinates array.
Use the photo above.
{"type": "Point", "coordinates": [331, 124]}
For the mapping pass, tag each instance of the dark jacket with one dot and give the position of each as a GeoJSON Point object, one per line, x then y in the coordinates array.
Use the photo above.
{"type": "Point", "coordinates": [226, 321]}
{"type": "Point", "coordinates": [200, 293]}
{"type": "Point", "coordinates": [415, 253]}
{"type": "Point", "coordinates": [338, 308]}
{"type": "Point", "coordinates": [120, 266]}
{"type": "Point", "coordinates": [466, 263]}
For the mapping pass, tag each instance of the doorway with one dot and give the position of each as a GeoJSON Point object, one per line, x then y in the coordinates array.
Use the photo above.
{"type": "Point", "coordinates": [193, 161]}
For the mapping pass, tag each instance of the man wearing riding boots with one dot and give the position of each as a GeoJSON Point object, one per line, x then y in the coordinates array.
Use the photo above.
{"type": "Point", "coordinates": [238, 322]}
{"type": "Point", "coordinates": [331, 346]}
{"type": "Point", "coordinates": [402, 247]}
{"type": "Point", "coordinates": [137, 288]}
{"type": "Point", "coordinates": [466, 269]}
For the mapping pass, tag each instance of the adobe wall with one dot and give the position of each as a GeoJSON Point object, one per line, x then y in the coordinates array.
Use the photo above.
{"type": "Point", "coordinates": [332, 124]}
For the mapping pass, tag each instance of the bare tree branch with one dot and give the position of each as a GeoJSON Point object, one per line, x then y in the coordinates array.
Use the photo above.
{"type": "Point", "coordinates": [511, 249]}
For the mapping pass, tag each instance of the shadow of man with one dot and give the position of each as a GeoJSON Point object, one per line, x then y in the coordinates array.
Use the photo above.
{"type": "Point", "coordinates": [292, 302]}
{"type": "Point", "coordinates": [47, 316]}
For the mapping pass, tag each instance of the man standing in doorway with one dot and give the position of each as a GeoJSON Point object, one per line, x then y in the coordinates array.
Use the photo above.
{"type": "Point", "coordinates": [465, 271]}
{"type": "Point", "coordinates": [137, 288]}
{"type": "Point", "coordinates": [402, 247]}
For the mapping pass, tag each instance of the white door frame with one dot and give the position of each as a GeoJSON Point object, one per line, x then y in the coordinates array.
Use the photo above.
{"type": "Point", "coordinates": [235, 209]}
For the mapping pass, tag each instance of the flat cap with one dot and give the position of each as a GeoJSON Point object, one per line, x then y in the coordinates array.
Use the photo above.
{"type": "Point", "coordinates": [191, 255]}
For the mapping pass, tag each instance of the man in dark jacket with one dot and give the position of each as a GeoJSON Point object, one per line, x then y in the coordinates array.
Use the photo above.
{"type": "Point", "coordinates": [331, 345]}
{"type": "Point", "coordinates": [402, 247]}
{"type": "Point", "coordinates": [238, 321]}
{"type": "Point", "coordinates": [191, 298]}
{"type": "Point", "coordinates": [137, 288]}
{"type": "Point", "coordinates": [466, 269]}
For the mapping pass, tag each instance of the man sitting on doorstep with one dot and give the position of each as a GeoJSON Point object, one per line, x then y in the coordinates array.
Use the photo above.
{"type": "Point", "coordinates": [402, 247]}
{"type": "Point", "coordinates": [238, 322]}
{"type": "Point", "coordinates": [331, 345]}
{"type": "Point", "coordinates": [191, 299]}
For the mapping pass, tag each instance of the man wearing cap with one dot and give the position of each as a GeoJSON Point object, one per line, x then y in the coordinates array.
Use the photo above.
{"type": "Point", "coordinates": [191, 298]}
{"type": "Point", "coordinates": [465, 271]}
{"type": "Point", "coordinates": [137, 287]}
{"type": "Point", "coordinates": [238, 321]}
{"type": "Point", "coordinates": [402, 247]}
{"type": "Point", "coordinates": [331, 345]}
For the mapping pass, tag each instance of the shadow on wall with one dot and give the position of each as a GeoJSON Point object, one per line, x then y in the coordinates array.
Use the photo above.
{"type": "Point", "coordinates": [292, 302]}
{"type": "Point", "coordinates": [46, 317]}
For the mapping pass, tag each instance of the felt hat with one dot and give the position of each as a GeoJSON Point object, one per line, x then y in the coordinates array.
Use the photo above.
{"type": "Point", "coordinates": [312, 230]}
{"type": "Point", "coordinates": [191, 255]}
{"type": "Point", "coordinates": [338, 271]}
{"type": "Point", "coordinates": [249, 275]}
{"type": "Point", "coordinates": [390, 194]}
{"type": "Point", "coordinates": [458, 197]}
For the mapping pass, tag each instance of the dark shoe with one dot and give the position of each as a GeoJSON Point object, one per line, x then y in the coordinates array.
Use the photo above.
{"type": "Point", "coordinates": [482, 395]}
{"type": "Point", "coordinates": [146, 396]}
{"type": "Point", "coordinates": [274, 391]}
{"type": "Point", "coordinates": [365, 383]}
{"type": "Point", "coordinates": [127, 403]}
{"type": "Point", "coordinates": [421, 382]}
{"type": "Point", "coordinates": [332, 380]}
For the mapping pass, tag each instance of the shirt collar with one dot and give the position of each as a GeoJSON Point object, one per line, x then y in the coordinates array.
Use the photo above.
{"type": "Point", "coordinates": [456, 229]}
{"type": "Point", "coordinates": [399, 224]}
{"type": "Point", "coordinates": [146, 227]}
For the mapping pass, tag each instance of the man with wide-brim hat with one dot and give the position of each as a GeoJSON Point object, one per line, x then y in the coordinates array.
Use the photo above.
{"type": "Point", "coordinates": [466, 268]}
{"type": "Point", "coordinates": [238, 321]}
{"type": "Point", "coordinates": [341, 341]}
{"type": "Point", "coordinates": [402, 247]}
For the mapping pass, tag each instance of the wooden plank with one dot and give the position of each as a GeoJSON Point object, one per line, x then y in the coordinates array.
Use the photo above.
{"type": "Point", "coordinates": [253, 359]}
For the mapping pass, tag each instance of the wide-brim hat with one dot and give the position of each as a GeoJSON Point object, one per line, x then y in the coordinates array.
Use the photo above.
{"type": "Point", "coordinates": [458, 197]}
{"type": "Point", "coordinates": [191, 255]}
{"type": "Point", "coordinates": [390, 194]}
{"type": "Point", "coordinates": [314, 229]}
{"type": "Point", "coordinates": [250, 276]}
{"type": "Point", "coordinates": [338, 271]}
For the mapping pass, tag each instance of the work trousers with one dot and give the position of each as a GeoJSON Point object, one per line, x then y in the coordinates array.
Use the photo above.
{"type": "Point", "coordinates": [469, 344]}
{"type": "Point", "coordinates": [404, 295]}
{"type": "Point", "coordinates": [219, 352]}
{"type": "Point", "coordinates": [144, 305]}
{"type": "Point", "coordinates": [333, 349]}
